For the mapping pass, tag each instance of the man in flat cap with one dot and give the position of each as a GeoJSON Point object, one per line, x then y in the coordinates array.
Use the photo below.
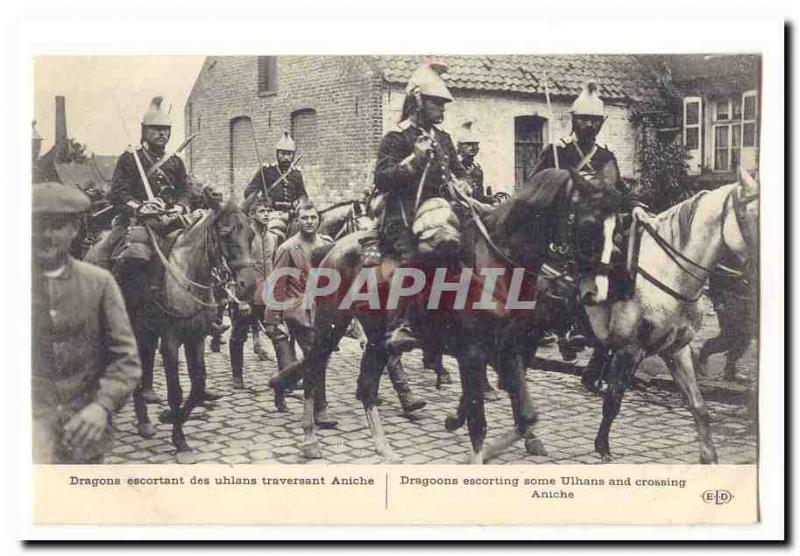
{"type": "Point", "coordinates": [85, 362]}
{"type": "Point", "coordinates": [468, 149]}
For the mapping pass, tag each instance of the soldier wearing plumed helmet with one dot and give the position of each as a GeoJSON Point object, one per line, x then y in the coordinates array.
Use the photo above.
{"type": "Point", "coordinates": [283, 191]}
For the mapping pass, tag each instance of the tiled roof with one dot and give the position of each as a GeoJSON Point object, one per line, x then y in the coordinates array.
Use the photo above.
{"type": "Point", "coordinates": [95, 172]}
{"type": "Point", "coordinates": [618, 76]}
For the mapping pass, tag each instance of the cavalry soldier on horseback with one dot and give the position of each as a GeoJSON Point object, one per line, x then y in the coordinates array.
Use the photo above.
{"type": "Point", "coordinates": [468, 148]}
{"type": "Point", "coordinates": [416, 162]}
{"type": "Point", "coordinates": [281, 183]}
{"type": "Point", "coordinates": [147, 186]}
{"type": "Point", "coordinates": [85, 361]}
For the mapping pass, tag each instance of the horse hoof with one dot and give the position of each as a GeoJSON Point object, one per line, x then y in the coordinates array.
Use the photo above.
{"type": "Point", "coordinates": [451, 423]}
{"type": "Point", "coordinates": [708, 459]}
{"type": "Point", "coordinates": [149, 396]}
{"type": "Point", "coordinates": [325, 421]}
{"type": "Point", "coordinates": [476, 459]}
{"type": "Point", "coordinates": [238, 383]}
{"type": "Point", "coordinates": [185, 457]}
{"type": "Point", "coordinates": [535, 447]}
{"type": "Point", "coordinates": [606, 458]}
{"type": "Point", "coordinates": [311, 451]}
{"type": "Point", "coordinates": [390, 458]}
{"type": "Point", "coordinates": [168, 417]}
{"type": "Point", "coordinates": [146, 430]}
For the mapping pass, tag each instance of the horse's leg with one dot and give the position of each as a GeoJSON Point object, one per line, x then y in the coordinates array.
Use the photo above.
{"type": "Point", "coordinates": [620, 376]}
{"type": "Point", "coordinates": [471, 360]}
{"type": "Point", "coordinates": [512, 369]}
{"type": "Point", "coordinates": [680, 365]}
{"type": "Point", "coordinates": [146, 342]}
{"type": "Point", "coordinates": [373, 361]}
{"type": "Point", "coordinates": [196, 367]}
{"type": "Point", "coordinates": [592, 377]}
{"type": "Point", "coordinates": [169, 357]}
{"type": "Point", "coordinates": [324, 338]}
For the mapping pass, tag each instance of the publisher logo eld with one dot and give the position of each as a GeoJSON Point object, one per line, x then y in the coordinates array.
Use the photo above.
{"type": "Point", "coordinates": [717, 497]}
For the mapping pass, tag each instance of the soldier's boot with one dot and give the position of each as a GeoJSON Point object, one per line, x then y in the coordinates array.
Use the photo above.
{"type": "Point", "coordinates": [236, 350]}
{"type": "Point", "coordinates": [397, 375]}
{"type": "Point", "coordinates": [399, 336]}
{"type": "Point", "coordinates": [259, 348]}
{"type": "Point", "coordinates": [435, 364]}
{"type": "Point", "coordinates": [286, 356]}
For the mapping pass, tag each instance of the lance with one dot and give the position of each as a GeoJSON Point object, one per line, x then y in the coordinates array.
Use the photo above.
{"type": "Point", "coordinates": [552, 120]}
{"type": "Point", "coordinates": [179, 150]}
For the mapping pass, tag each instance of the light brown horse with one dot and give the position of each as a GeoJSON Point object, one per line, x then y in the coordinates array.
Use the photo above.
{"type": "Point", "coordinates": [664, 313]}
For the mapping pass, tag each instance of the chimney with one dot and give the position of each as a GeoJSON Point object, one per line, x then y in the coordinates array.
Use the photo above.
{"type": "Point", "coordinates": [61, 120]}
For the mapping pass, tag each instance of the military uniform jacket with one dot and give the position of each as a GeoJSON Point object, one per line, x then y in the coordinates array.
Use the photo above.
{"type": "Point", "coordinates": [401, 182]}
{"type": "Point", "coordinates": [475, 176]}
{"type": "Point", "coordinates": [569, 157]}
{"type": "Point", "coordinates": [83, 349]}
{"type": "Point", "coordinates": [289, 190]}
{"type": "Point", "coordinates": [295, 253]}
{"type": "Point", "coordinates": [126, 183]}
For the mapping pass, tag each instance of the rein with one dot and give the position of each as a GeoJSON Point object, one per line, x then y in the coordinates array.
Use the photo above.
{"type": "Point", "coordinates": [674, 254]}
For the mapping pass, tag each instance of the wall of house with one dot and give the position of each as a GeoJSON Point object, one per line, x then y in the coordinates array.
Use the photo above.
{"type": "Point", "coordinates": [336, 96]}
{"type": "Point", "coordinates": [494, 115]}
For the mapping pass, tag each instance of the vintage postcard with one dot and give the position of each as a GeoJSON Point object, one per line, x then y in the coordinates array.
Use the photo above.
{"type": "Point", "coordinates": [324, 289]}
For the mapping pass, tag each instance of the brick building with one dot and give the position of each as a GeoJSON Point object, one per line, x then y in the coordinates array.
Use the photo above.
{"type": "Point", "coordinates": [339, 107]}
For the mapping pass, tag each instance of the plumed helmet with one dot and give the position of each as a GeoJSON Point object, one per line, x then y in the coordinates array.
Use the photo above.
{"type": "Point", "coordinates": [156, 115]}
{"type": "Point", "coordinates": [285, 143]}
{"type": "Point", "coordinates": [466, 133]}
{"type": "Point", "coordinates": [588, 102]}
{"type": "Point", "coordinates": [427, 80]}
{"type": "Point", "coordinates": [57, 198]}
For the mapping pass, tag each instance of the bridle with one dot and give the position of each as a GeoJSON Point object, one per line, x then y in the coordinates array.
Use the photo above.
{"type": "Point", "coordinates": [683, 262]}
{"type": "Point", "coordinates": [223, 273]}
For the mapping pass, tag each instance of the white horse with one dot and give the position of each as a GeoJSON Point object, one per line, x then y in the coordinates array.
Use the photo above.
{"type": "Point", "coordinates": [678, 248]}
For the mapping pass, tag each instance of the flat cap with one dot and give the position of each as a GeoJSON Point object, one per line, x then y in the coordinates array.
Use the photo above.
{"type": "Point", "coordinates": [56, 198]}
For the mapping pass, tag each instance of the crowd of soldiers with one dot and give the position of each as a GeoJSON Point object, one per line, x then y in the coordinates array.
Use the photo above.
{"type": "Point", "coordinates": [85, 362]}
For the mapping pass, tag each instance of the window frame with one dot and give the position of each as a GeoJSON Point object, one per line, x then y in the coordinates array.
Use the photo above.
{"type": "Point", "coordinates": [267, 81]}
{"type": "Point", "coordinates": [754, 121]}
{"type": "Point", "coordinates": [698, 125]}
{"type": "Point", "coordinates": [543, 132]}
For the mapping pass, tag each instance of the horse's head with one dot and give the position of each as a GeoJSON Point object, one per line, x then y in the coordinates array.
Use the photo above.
{"type": "Point", "coordinates": [740, 234]}
{"type": "Point", "coordinates": [563, 217]}
{"type": "Point", "coordinates": [233, 235]}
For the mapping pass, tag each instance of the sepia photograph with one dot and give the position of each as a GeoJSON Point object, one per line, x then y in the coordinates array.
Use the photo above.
{"type": "Point", "coordinates": [402, 259]}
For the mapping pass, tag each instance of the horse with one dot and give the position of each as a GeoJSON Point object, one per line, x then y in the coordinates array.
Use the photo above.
{"type": "Point", "coordinates": [559, 208]}
{"type": "Point", "coordinates": [176, 303]}
{"type": "Point", "coordinates": [678, 249]}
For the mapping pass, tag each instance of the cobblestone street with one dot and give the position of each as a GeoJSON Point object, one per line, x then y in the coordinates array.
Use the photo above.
{"type": "Point", "coordinates": [654, 425]}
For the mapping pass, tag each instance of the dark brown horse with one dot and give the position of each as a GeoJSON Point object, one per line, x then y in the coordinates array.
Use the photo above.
{"type": "Point", "coordinates": [515, 239]}
{"type": "Point", "coordinates": [175, 302]}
